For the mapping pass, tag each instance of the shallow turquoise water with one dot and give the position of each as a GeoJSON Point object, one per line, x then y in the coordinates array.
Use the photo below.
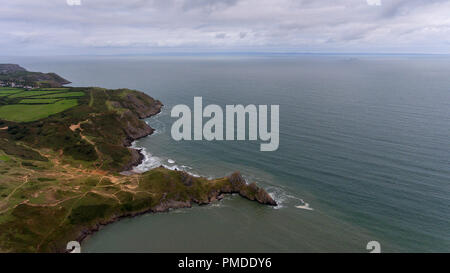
{"type": "Point", "coordinates": [363, 140]}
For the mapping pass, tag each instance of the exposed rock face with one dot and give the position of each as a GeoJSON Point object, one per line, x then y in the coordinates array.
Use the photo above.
{"type": "Point", "coordinates": [138, 106]}
{"type": "Point", "coordinates": [171, 204]}
{"type": "Point", "coordinates": [142, 105]}
{"type": "Point", "coordinates": [136, 158]}
{"type": "Point", "coordinates": [135, 106]}
{"type": "Point", "coordinates": [237, 181]}
{"type": "Point", "coordinates": [261, 195]}
{"type": "Point", "coordinates": [134, 128]}
{"type": "Point", "coordinates": [234, 183]}
{"type": "Point", "coordinates": [186, 179]}
{"type": "Point", "coordinates": [249, 191]}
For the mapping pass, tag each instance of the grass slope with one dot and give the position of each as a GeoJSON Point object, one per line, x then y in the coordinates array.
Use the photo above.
{"type": "Point", "coordinates": [64, 95]}
{"type": "Point", "coordinates": [37, 101]}
{"type": "Point", "coordinates": [18, 105]}
{"type": "Point", "coordinates": [25, 94]}
{"type": "Point", "coordinates": [26, 113]}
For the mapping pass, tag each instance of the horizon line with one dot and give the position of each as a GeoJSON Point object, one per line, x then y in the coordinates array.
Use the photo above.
{"type": "Point", "coordinates": [230, 53]}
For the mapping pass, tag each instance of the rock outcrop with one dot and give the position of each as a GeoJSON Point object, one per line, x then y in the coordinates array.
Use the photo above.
{"type": "Point", "coordinates": [142, 105]}
{"type": "Point", "coordinates": [249, 191]}
{"type": "Point", "coordinates": [136, 158]}
{"type": "Point", "coordinates": [234, 183]}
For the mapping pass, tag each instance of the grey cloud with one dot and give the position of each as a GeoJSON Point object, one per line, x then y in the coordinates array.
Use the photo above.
{"type": "Point", "coordinates": [221, 36]}
{"type": "Point", "coordinates": [195, 25]}
{"type": "Point", "coordinates": [395, 8]}
{"type": "Point", "coordinates": [208, 5]}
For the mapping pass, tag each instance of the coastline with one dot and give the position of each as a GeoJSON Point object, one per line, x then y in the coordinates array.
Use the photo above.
{"type": "Point", "coordinates": [242, 189]}
{"type": "Point", "coordinates": [239, 186]}
{"type": "Point", "coordinates": [128, 143]}
{"type": "Point", "coordinates": [141, 157]}
{"type": "Point", "coordinates": [90, 231]}
{"type": "Point", "coordinates": [127, 171]}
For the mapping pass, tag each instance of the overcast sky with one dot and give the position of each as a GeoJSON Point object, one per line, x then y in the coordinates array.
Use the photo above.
{"type": "Point", "coordinates": [47, 27]}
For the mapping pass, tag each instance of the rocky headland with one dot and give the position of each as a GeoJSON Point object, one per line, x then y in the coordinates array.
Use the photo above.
{"type": "Point", "coordinates": [62, 178]}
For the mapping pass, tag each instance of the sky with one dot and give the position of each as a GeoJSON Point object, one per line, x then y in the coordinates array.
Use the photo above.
{"type": "Point", "coordinates": [118, 27]}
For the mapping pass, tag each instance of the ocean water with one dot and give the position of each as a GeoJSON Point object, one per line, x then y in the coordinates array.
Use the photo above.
{"type": "Point", "coordinates": [364, 151]}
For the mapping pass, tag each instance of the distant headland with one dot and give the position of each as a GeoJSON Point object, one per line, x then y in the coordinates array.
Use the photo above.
{"type": "Point", "coordinates": [13, 75]}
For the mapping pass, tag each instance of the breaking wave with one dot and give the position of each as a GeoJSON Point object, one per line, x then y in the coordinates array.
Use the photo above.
{"type": "Point", "coordinates": [150, 162]}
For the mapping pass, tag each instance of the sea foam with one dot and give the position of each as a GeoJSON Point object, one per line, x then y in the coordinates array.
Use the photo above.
{"type": "Point", "coordinates": [150, 162]}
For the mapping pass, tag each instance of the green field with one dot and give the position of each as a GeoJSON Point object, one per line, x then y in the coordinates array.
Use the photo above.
{"type": "Point", "coordinates": [10, 91]}
{"type": "Point", "coordinates": [26, 94]}
{"type": "Point", "coordinates": [5, 94]}
{"type": "Point", "coordinates": [6, 91]}
{"type": "Point", "coordinates": [38, 101]}
{"type": "Point", "coordinates": [64, 95]}
{"type": "Point", "coordinates": [53, 89]}
{"type": "Point", "coordinates": [30, 105]}
{"type": "Point", "coordinates": [9, 88]}
{"type": "Point", "coordinates": [26, 113]}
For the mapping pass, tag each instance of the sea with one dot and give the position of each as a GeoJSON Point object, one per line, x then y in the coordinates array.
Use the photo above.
{"type": "Point", "coordinates": [364, 150]}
